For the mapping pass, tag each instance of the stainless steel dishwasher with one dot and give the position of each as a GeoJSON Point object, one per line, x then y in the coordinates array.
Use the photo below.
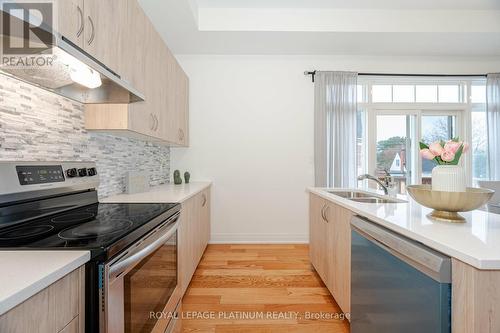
{"type": "Point", "coordinates": [397, 285]}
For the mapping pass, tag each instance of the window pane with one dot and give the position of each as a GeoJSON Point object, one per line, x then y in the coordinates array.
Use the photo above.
{"type": "Point", "coordinates": [360, 142]}
{"type": "Point", "coordinates": [449, 94]}
{"type": "Point", "coordinates": [404, 93]}
{"type": "Point", "coordinates": [359, 93]}
{"type": "Point", "coordinates": [426, 94]}
{"type": "Point", "coordinates": [479, 146]}
{"type": "Point", "coordinates": [435, 128]}
{"type": "Point", "coordinates": [478, 94]}
{"type": "Point", "coordinates": [382, 93]}
{"type": "Point", "coordinates": [393, 149]}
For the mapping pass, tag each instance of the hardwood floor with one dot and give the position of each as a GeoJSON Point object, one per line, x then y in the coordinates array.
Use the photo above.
{"type": "Point", "coordinates": [257, 289]}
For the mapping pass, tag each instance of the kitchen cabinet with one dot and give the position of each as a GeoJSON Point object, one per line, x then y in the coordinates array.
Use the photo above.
{"type": "Point", "coordinates": [58, 308]}
{"type": "Point", "coordinates": [475, 299]}
{"type": "Point", "coordinates": [318, 226]}
{"type": "Point", "coordinates": [177, 100]}
{"type": "Point", "coordinates": [98, 27]}
{"type": "Point", "coordinates": [330, 247]}
{"type": "Point", "coordinates": [104, 30]}
{"type": "Point", "coordinates": [71, 20]}
{"type": "Point", "coordinates": [339, 248]}
{"type": "Point", "coordinates": [152, 69]}
{"type": "Point", "coordinates": [194, 234]}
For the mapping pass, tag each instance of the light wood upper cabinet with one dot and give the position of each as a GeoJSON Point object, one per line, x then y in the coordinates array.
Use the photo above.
{"type": "Point", "coordinates": [71, 20]}
{"type": "Point", "coordinates": [145, 117]}
{"type": "Point", "coordinates": [182, 106]}
{"type": "Point", "coordinates": [105, 28]}
{"type": "Point", "coordinates": [56, 309]}
{"type": "Point", "coordinates": [137, 32]}
{"type": "Point", "coordinates": [99, 27]}
{"type": "Point", "coordinates": [175, 124]}
{"type": "Point", "coordinates": [151, 68]}
{"type": "Point", "coordinates": [330, 247]}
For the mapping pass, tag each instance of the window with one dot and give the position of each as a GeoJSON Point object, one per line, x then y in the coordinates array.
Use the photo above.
{"type": "Point", "coordinates": [420, 93]}
{"type": "Point", "coordinates": [436, 127]}
{"type": "Point", "coordinates": [449, 93]}
{"type": "Point", "coordinates": [360, 142]}
{"type": "Point", "coordinates": [426, 93]}
{"type": "Point", "coordinates": [479, 146]}
{"type": "Point", "coordinates": [382, 93]}
{"type": "Point", "coordinates": [398, 112]}
{"type": "Point", "coordinates": [478, 93]}
{"type": "Point", "coordinates": [393, 147]}
{"type": "Point", "coordinates": [403, 94]}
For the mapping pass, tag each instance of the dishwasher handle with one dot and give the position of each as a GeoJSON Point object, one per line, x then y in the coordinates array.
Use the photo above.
{"type": "Point", "coordinates": [428, 261]}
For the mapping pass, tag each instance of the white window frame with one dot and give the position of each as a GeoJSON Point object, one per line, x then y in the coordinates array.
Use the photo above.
{"type": "Point", "coordinates": [463, 112]}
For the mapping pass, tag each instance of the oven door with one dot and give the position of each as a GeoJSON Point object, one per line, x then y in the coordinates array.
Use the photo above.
{"type": "Point", "coordinates": [140, 291]}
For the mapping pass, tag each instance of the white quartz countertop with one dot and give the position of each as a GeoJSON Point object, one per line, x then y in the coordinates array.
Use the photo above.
{"type": "Point", "coordinates": [161, 194]}
{"type": "Point", "coordinates": [476, 242]}
{"type": "Point", "coordinates": [25, 273]}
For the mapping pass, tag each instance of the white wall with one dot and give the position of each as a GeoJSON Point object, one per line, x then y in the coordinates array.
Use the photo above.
{"type": "Point", "coordinates": [251, 132]}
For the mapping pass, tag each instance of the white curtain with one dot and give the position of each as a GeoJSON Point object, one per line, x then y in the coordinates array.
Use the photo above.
{"type": "Point", "coordinates": [335, 108]}
{"type": "Point", "coordinates": [493, 119]}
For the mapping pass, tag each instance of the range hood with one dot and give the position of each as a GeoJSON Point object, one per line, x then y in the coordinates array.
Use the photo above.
{"type": "Point", "coordinates": [73, 73]}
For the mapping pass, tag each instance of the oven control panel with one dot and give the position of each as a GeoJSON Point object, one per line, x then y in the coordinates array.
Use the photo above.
{"type": "Point", "coordinates": [39, 174]}
{"type": "Point", "coordinates": [21, 180]}
{"type": "Point", "coordinates": [44, 174]}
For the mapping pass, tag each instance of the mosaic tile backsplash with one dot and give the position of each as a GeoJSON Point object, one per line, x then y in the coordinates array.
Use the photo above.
{"type": "Point", "coordinates": [36, 125]}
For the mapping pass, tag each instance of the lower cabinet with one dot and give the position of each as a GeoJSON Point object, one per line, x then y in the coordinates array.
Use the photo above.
{"type": "Point", "coordinates": [59, 308]}
{"type": "Point", "coordinates": [330, 247]}
{"type": "Point", "coordinates": [194, 234]}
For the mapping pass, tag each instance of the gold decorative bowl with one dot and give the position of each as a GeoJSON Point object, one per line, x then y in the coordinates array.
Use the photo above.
{"type": "Point", "coordinates": [446, 205]}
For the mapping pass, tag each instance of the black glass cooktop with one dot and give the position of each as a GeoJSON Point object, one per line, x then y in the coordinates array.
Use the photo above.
{"type": "Point", "coordinates": [95, 227]}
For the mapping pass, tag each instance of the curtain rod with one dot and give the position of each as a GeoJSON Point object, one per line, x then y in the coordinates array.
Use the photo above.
{"type": "Point", "coordinates": [313, 73]}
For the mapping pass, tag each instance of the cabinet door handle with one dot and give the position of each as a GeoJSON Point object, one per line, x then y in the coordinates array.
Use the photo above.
{"type": "Point", "coordinates": [82, 23]}
{"type": "Point", "coordinates": [326, 213]}
{"type": "Point", "coordinates": [157, 123]}
{"type": "Point", "coordinates": [323, 213]}
{"type": "Point", "coordinates": [153, 121]}
{"type": "Point", "coordinates": [92, 35]}
{"type": "Point", "coordinates": [181, 134]}
{"type": "Point", "coordinates": [204, 200]}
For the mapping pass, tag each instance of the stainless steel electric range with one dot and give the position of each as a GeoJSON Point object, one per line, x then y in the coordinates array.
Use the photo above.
{"type": "Point", "coordinates": [133, 268]}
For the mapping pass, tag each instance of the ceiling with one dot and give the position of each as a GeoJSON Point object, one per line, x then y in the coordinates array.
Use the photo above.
{"type": "Point", "coordinates": [321, 27]}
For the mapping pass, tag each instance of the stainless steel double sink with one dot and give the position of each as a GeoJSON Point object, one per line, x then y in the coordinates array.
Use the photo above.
{"type": "Point", "coordinates": [363, 197]}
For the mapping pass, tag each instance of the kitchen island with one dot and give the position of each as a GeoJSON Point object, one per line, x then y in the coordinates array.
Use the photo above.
{"type": "Point", "coordinates": [474, 247]}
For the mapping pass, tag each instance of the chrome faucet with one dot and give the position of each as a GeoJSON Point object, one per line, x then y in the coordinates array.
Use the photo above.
{"type": "Point", "coordinates": [375, 179]}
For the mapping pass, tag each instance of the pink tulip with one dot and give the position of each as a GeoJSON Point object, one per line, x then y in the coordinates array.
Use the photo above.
{"type": "Point", "coordinates": [452, 146]}
{"type": "Point", "coordinates": [436, 148]}
{"type": "Point", "coordinates": [427, 154]}
{"type": "Point", "coordinates": [448, 156]}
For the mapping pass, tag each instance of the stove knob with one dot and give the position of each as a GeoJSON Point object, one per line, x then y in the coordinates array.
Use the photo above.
{"type": "Point", "coordinates": [91, 171]}
{"type": "Point", "coordinates": [82, 172]}
{"type": "Point", "coordinates": [71, 173]}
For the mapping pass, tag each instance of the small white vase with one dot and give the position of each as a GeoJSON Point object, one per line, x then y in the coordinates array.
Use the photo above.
{"type": "Point", "coordinates": [449, 178]}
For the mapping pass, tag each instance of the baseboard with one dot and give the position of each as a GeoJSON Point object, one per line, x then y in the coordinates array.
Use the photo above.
{"type": "Point", "coordinates": [227, 238]}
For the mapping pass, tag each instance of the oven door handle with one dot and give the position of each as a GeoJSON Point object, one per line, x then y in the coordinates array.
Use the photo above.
{"type": "Point", "coordinates": [121, 266]}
